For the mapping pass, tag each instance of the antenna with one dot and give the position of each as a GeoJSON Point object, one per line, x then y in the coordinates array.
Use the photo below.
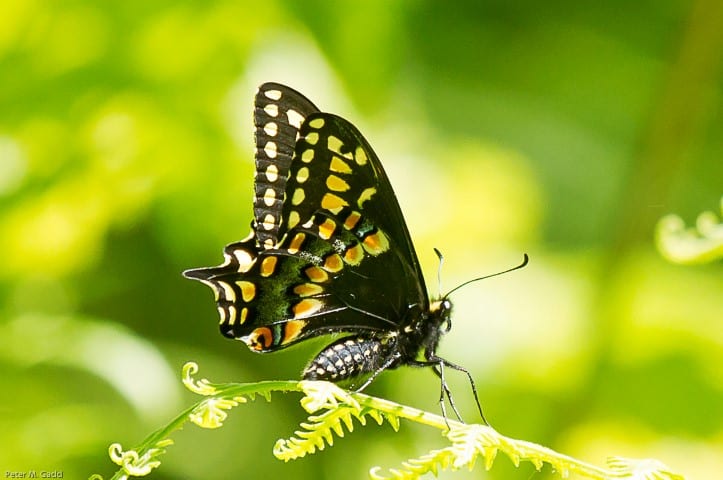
{"type": "Point", "coordinates": [439, 270]}
{"type": "Point", "coordinates": [524, 262]}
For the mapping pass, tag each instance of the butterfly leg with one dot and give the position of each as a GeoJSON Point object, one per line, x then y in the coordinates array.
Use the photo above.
{"type": "Point", "coordinates": [389, 362]}
{"type": "Point", "coordinates": [444, 390]}
{"type": "Point", "coordinates": [442, 405]}
{"type": "Point", "coordinates": [460, 368]}
{"type": "Point", "coordinates": [437, 365]}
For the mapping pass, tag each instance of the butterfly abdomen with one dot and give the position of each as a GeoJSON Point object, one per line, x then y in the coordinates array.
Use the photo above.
{"type": "Point", "coordinates": [349, 358]}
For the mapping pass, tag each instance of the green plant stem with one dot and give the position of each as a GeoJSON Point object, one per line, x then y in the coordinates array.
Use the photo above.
{"type": "Point", "coordinates": [332, 408]}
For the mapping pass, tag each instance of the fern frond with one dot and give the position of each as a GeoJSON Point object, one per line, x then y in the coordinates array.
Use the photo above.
{"type": "Point", "coordinates": [322, 428]}
{"type": "Point", "coordinates": [333, 412]}
{"type": "Point", "coordinates": [207, 413]}
{"type": "Point", "coordinates": [646, 469]}
{"type": "Point", "coordinates": [469, 442]}
{"type": "Point", "coordinates": [700, 244]}
{"type": "Point", "coordinates": [434, 462]}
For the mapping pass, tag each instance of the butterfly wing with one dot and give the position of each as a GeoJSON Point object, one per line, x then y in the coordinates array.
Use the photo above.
{"type": "Point", "coordinates": [347, 178]}
{"type": "Point", "coordinates": [279, 112]}
{"type": "Point", "coordinates": [344, 261]}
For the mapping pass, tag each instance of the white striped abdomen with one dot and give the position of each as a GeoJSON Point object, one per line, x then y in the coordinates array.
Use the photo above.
{"type": "Point", "coordinates": [348, 358]}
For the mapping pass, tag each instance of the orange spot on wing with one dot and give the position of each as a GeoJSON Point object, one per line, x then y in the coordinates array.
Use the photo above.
{"type": "Point", "coordinates": [306, 307]}
{"type": "Point", "coordinates": [326, 229]}
{"type": "Point", "coordinates": [354, 255]}
{"type": "Point", "coordinates": [308, 289]}
{"type": "Point", "coordinates": [352, 220]}
{"type": "Point", "coordinates": [248, 290]}
{"type": "Point", "coordinates": [292, 330]}
{"type": "Point", "coordinates": [268, 265]}
{"type": "Point", "coordinates": [333, 263]}
{"type": "Point", "coordinates": [296, 243]}
{"type": "Point", "coordinates": [260, 339]}
{"type": "Point", "coordinates": [316, 274]}
{"type": "Point", "coordinates": [376, 243]}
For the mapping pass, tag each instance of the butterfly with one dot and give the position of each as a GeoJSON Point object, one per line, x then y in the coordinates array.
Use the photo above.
{"type": "Point", "coordinates": [329, 253]}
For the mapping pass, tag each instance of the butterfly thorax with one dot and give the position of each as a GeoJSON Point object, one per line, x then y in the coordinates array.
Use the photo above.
{"type": "Point", "coordinates": [422, 335]}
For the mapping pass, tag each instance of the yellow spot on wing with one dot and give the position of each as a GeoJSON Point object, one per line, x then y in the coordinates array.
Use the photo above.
{"type": "Point", "coordinates": [334, 144]}
{"type": "Point", "coordinates": [312, 138]}
{"type": "Point", "coordinates": [273, 94]}
{"type": "Point", "coordinates": [260, 339]}
{"type": "Point", "coordinates": [307, 155]}
{"type": "Point", "coordinates": [332, 202]}
{"type": "Point", "coordinates": [271, 129]}
{"type": "Point", "coordinates": [293, 219]}
{"type": "Point", "coordinates": [269, 197]}
{"type": "Point", "coordinates": [231, 315]}
{"type": "Point", "coordinates": [316, 123]}
{"type": "Point", "coordinates": [302, 175]}
{"type": "Point", "coordinates": [336, 184]}
{"type": "Point", "coordinates": [360, 156]}
{"type": "Point", "coordinates": [298, 196]}
{"type": "Point", "coordinates": [228, 293]}
{"type": "Point", "coordinates": [339, 166]}
{"type": "Point", "coordinates": [294, 117]}
{"type": "Point", "coordinates": [367, 194]}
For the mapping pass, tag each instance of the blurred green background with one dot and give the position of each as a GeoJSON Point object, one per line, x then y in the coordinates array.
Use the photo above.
{"type": "Point", "coordinates": [560, 129]}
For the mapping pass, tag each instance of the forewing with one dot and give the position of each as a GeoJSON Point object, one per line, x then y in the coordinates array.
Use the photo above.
{"type": "Point", "coordinates": [279, 112]}
{"type": "Point", "coordinates": [336, 171]}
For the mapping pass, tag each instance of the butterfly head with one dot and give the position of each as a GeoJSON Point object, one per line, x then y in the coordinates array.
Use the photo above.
{"type": "Point", "coordinates": [441, 310]}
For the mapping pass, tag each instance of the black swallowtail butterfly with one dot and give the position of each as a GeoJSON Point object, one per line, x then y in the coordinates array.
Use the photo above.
{"type": "Point", "coordinates": [329, 252]}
